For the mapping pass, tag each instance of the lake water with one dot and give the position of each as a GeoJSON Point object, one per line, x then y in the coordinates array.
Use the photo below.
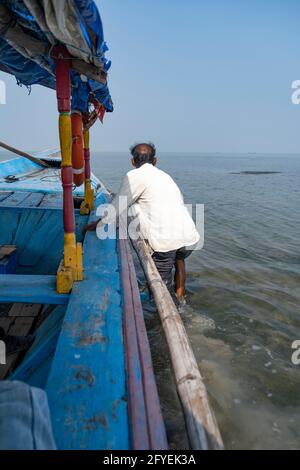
{"type": "Point", "coordinates": [243, 309]}
{"type": "Point", "coordinates": [243, 294]}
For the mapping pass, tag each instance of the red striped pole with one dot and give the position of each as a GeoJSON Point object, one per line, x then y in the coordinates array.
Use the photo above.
{"type": "Point", "coordinates": [70, 269]}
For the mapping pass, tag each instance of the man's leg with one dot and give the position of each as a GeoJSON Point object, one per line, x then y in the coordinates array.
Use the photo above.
{"type": "Point", "coordinates": [180, 278]}
{"type": "Point", "coordinates": [180, 272]}
{"type": "Point", "coordinates": [164, 263]}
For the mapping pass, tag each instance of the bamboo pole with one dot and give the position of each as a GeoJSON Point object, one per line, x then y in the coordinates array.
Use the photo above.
{"type": "Point", "coordinates": [202, 428]}
{"type": "Point", "coordinates": [23, 154]}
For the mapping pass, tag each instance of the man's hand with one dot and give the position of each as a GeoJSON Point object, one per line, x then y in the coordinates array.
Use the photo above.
{"type": "Point", "coordinates": [90, 227]}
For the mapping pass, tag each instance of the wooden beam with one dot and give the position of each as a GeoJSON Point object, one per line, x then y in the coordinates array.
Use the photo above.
{"type": "Point", "coordinates": [89, 70]}
{"type": "Point", "coordinates": [201, 424]}
{"type": "Point", "coordinates": [24, 154]}
{"type": "Point", "coordinates": [31, 48]}
{"type": "Point", "coordinates": [34, 289]}
{"type": "Point", "coordinates": [87, 386]}
{"type": "Point", "coordinates": [146, 421]}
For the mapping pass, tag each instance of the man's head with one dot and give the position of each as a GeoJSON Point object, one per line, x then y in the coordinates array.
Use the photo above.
{"type": "Point", "coordinates": [143, 153]}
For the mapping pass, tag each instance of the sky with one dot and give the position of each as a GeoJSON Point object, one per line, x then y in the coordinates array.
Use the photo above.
{"type": "Point", "coordinates": [191, 76]}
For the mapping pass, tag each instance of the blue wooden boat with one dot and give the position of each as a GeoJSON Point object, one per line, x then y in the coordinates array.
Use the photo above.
{"type": "Point", "coordinates": [77, 294]}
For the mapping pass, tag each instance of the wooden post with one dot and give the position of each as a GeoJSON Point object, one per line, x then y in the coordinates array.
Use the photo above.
{"type": "Point", "coordinates": [202, 428]}
{"type": "Point", "coordinates": [88, 204]}
{"type": "Point", "coordinates": [70, 269]}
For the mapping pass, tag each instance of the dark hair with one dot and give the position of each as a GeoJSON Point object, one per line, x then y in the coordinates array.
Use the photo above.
{"type": "Point", "coordinates": [140, 157]}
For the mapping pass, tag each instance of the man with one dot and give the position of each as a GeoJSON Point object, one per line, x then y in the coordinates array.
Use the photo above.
{"type": "Point", "coordinates": [164, 221]}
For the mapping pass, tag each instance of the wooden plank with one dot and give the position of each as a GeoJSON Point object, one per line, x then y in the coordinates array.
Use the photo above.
{"type": "Point", "coordinates": [5, 369]}
{"type": "Point", "coordinates": [18, 288]}
{"type": "Point", "coordinates": [33, 200]}
{"type": "Point", "coordinates": [87, 384]}
{"type": "Point", "coordinates": [48, 228]}
{"type": "Point", "coordinates": [146, 422]}
{"type": "Point", "coordinates": [23, 154]}
{"type": "Point", "coordinates": [29, 220]}
{"type": "Point", "coordinates": [15, 199]}
{"type": "Point", "coordinates": [52, 201]}
{"type": "Point", "coordinates": [4, 195]}
{"type": "Point", "coordinates": [7, 250]}
{"type": "Point", "coordinates": [25, 310]}
{"type": "Point", "coordinates": [5, 323]}
{"type": "Point", "coordinates": [9, 221]}
{"type": "Point", "coordinates": [36, 364]}
{"type": "Point", "coordinates": [156, 427]}
{"type": "Point", "coordinates": [20, 327]}
{"type": "Point", "coordinates": [136, 400]}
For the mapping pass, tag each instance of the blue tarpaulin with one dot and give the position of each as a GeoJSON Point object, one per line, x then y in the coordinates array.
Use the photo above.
{"type": "Point", "coordinates": [74, 23]}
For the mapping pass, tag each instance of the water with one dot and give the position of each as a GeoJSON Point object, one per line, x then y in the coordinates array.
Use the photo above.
{"type": "Point", "coordinates": [243, 295]}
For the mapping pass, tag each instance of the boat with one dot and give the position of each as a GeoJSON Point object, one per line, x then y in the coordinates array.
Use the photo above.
{"type": "Point", "coordinates": [77, 295]}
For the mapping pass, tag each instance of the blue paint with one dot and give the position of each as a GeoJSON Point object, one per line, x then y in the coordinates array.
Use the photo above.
{"type": "Point", "coordinates": [36, 179]}
{"type": "Point", "coordinates": [87, 384]}
{"type": "Point", "coordinates": [38, 234]}
{"type": "Point", "coordinates": [78, 350]}
{"type": "Point", "coordinates": [37, 357]}
{"type": "Point", "coordinates": [4, 195]}
{"type": "Point", "coordinates": [37, 362]}
{"type": "Point", "coordinates": [17, 166]}
{"type": "Point", "coordinates": [17, 288]}
{"type": "Point", "coordinates": [9, 264]}
{"type": "Point", "coordinates": [16, 199]}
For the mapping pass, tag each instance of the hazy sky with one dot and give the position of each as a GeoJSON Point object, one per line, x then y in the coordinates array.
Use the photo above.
{"type": "Point", "coordinates": [193, 75]}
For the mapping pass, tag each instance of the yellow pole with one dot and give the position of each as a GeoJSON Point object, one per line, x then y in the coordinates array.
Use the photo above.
{"type": "Point", "coordinates": [70, 268]}
{"type": "Point", "coordinates": [88, 204]}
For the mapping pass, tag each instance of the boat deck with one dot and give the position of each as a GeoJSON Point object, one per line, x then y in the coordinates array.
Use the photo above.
{"type": "Point", "coordinates": [91, 353]}
{"type": "Point", "coordinates": [24, 199]}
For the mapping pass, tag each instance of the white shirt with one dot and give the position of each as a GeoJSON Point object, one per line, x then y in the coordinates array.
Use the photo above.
{"type": "Point", "coordinates": [158, 206]}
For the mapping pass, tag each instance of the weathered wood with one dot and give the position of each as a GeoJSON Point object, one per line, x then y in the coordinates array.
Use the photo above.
{"type": "Point", "coordinates": [18, 288]}
{"type": "Point", "coordinates": [33, 200]}
{"type": "Point", "coordinates": [18, 327]}
{"type": "Point", "coordinates": [23, 154]}
{"type": "Point", "coordinates": [89, 70]}
{"type": "Point", "coordinates": [87, 386]}
{"type": "Point", "coordinates": [25, 310]}
{"type": "Point", "coordinates": [7, 250]}
{"type": "Point", "coordinates": [5, 323]}
{"type": "Point", "coordinates": [201, 424]}
{"type": "Point", "coordinates": [36, 50]}
{"type": "Point", "coordinates": [21, 326]}
{"type": "Point", "coordinates": [4, 195]}
{"type": "Point", "coordinates": [136, 400]}
{"type": "Point", "coordinates": [15, 199]}
{"type": "Point", "coordinates": [35, 366]}
{"type": "Point", "coordinates": [52, 201]}
{"type": "Point", "coordinates": [147, 426]}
